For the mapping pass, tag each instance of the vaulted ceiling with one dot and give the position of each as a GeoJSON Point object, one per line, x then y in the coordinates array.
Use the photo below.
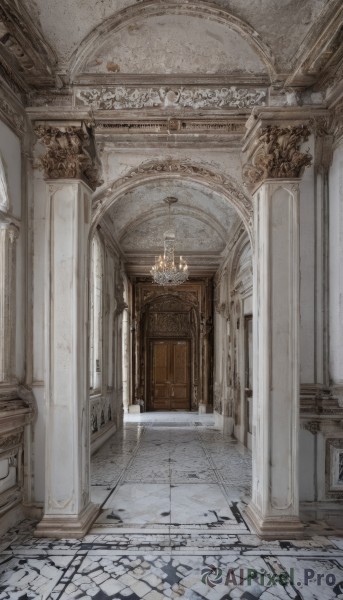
{"type": "Point", "coordinates": [204, 223]}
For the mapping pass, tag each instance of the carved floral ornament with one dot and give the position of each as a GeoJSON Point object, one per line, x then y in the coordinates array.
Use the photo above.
{"type": "Point", "coordinates": [278, 154]}
{"type": "Point", "coordinates": [70, 154]}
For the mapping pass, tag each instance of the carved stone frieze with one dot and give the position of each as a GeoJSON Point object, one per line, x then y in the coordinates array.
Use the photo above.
{"type": "Point", "coordinates": [70, 154]}
{"type": "Point", "coordinates": [278, 155]}
{"type": "Point", "coordinates": [121, 97]}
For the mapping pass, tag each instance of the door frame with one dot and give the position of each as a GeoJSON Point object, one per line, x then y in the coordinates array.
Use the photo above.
{"type": "Point", "coordinates": [151, 342]}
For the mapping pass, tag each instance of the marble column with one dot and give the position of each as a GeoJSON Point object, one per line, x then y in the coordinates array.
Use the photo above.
{"type": "Point", "coordinates": [8, 235]}
{"type": "Point", "coordinates": [68, 511]}
{"type": "Point", "coordinates": [274, 507]}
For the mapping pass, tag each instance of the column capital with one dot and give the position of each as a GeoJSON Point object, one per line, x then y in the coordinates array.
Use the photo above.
{"type": "Point", "coordinates": [273, 151]}
{"type": "Point", "coordinates": [70, 153]}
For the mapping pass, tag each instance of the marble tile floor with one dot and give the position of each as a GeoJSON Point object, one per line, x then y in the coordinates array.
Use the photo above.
{"type": "Point", "coordinates": [172, 491]}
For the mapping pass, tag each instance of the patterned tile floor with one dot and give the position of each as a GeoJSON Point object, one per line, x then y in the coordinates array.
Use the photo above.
{"type": "Point", "coordinates": [172, 491]}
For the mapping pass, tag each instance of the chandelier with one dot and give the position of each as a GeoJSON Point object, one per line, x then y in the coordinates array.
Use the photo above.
{"type": "Point", "coordinates": [165, 271]}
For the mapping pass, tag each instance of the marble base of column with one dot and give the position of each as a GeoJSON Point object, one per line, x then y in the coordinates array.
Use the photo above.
{"type": "Point", "coordinates": [274, 528]}
{"type": "Point", "coordinates": [67, 526]}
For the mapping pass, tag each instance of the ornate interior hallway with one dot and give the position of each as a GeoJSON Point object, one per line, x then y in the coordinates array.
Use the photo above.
{"type": "Point", "coordinates": [172, 490]}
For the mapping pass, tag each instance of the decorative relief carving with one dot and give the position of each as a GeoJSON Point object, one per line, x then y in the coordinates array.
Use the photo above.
{"type": "Point", "coordinates": [70, 153]}
{"type": "Point", "coordinates": [323, 128]}
{"type": "Point", "coordinates": [278, 154]}
{"type": "Point", "coordinates": [311, 426]}
{"type": "Point", "coordinates": [172, 323]}
{"type": "Point", "coordinates": [334, 468]}
{"type": "Point", "coordinates": [189, 297]}
{"type": "Point", "coordinates": [101, 412]}
{"type": "Point", "coordinates": [121, 97]}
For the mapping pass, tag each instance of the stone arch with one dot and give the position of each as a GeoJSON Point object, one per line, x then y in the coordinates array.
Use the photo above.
{"type": "Point", "coordinates": [168, 169]}
{"type": "Point", "coordinates": [149, 8]}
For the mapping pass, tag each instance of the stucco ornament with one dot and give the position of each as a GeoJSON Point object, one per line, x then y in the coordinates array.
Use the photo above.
{"type": "Point", "coordinates": [70, 154]}
{"type": "Point", "coordinates": [163, 97]}
{"type": "Point", "coordinates": [278, 154]}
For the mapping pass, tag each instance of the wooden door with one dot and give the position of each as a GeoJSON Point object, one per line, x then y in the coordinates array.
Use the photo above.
{"type": "Point", "coordinates": [169, 388]}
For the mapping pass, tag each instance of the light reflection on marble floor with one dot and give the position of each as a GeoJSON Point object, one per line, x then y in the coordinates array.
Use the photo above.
{"type": "Point", "coordinates": [173, 491]}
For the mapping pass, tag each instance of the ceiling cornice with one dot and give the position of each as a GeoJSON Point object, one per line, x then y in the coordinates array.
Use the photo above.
{"type": "Point", "coordinates": [23, 48]}
{"type": "Point", "coordinates": [321, 49]}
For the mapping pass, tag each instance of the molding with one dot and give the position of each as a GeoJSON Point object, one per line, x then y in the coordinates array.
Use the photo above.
{"type": "Point", "coordinates": [23, 47]}
{"type": "Point", "coordinates": [321, 49]}
{"type": "Point", "coordinates": [67, 526]}
{"type": "Point", "coordinates": [274, 528]}
{"type": "Point", "coordinates": [170, 80]}
{"type": "Point", "coordinates": [11, 79]}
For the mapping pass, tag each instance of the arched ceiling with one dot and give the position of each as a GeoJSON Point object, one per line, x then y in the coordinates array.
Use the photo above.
{"type": "Point", "coordinates": [204, 222]}
{"type": "Point", "coordinates": [160, 44]}
{"type": "Point", "coordinates": [282, 25]}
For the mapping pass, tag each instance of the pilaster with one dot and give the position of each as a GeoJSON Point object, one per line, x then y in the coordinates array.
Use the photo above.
{"type": "Point", "coordinates": [8, 236]}
{"type": "Point", "coordinates": [276, 164]}
{"type": "Point", "coordinates": [68, 511]}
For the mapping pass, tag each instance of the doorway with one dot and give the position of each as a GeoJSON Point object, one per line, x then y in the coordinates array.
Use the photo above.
{"type": "Point", "coordinates": [169, 375]}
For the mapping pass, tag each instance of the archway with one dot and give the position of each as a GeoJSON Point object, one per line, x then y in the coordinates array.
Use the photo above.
{"type": "Point", "coordinates": [211, 214]}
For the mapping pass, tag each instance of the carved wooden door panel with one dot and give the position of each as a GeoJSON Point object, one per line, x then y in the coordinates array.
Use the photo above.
{"type": "Point", "coordinates": [170, 375]}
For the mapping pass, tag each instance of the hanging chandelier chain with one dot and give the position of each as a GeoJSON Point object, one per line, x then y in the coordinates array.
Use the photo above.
{"type": "Point", "coordinates": [165, 272]}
